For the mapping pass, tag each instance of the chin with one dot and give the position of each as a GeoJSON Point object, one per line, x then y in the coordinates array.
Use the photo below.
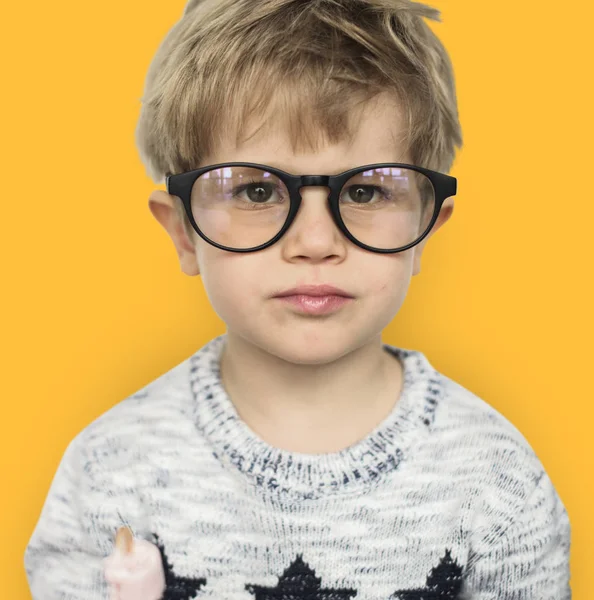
{"type": "Point", "coordinates": [310, 345]}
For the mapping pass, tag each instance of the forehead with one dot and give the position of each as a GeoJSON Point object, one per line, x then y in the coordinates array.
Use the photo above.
{"type": "Point", "coordinates": [376, 134]}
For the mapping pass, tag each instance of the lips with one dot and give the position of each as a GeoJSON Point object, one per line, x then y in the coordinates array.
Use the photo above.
{"type": "Point", "coordinates": [314, 291]}
{"type": "Point", "coordinates": [314, 305]}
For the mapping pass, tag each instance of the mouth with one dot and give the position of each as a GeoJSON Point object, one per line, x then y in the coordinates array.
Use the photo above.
{"type": "Point", "coordinates": [314, 291]}
{"type": "Point", "coordinates": [315, 305]}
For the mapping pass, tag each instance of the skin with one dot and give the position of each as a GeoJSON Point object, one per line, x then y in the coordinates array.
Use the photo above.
{"type": "Point", "coordinates": [307, 383]}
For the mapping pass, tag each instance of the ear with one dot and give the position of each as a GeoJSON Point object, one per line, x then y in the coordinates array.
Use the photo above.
{"type": "Point", "coordinates": [447, 208]}
{"type": "Point", "coordinates": [166, 210]}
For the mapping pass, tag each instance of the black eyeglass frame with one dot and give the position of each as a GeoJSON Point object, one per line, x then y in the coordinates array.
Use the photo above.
{"type": "Point", "coordinates": [181, 184]}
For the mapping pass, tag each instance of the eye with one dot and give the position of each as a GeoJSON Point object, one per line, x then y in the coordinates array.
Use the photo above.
{"type": "Point", "coordinates": [363, 194]}
{"type": "Point", "coordinates": [257, 192]}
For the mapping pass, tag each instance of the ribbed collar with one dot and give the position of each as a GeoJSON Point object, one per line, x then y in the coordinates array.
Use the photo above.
{"type": "Point", "coordinates": [297, 475]}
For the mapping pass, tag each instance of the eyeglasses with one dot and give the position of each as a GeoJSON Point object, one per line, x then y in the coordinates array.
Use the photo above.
{"type": "Point", "coordinates": [245, 207]}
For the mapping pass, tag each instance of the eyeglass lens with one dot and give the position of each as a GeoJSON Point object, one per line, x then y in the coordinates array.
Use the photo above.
{"type": "Point", "coordinates": [243, 207]}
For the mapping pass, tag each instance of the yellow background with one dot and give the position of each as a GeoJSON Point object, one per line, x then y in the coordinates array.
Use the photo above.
{"type": "Point", "coordinates": [95, 306]}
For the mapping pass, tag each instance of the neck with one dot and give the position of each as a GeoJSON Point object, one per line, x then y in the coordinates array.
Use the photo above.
{"type": "Point", "coordinates": [311, 408]}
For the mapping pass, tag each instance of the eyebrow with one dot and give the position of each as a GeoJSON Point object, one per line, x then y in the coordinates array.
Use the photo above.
{"type": "Point", "coordinates": [341, 169]}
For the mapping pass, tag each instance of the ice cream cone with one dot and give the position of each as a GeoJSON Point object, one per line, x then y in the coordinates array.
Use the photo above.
{"type": "Point", "coordinates": [124, 540]}
{"type": "Point", "coordinates": [134, 569]}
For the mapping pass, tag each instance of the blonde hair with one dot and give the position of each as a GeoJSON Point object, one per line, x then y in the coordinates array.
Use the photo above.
{"type": "Point", "coordinates": [307, 65]}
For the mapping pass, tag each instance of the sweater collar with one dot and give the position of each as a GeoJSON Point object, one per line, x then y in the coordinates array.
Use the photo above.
{"type": "Point", "coordinates": [296, 475]}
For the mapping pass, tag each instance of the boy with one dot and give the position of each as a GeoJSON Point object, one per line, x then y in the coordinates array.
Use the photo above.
{"type": "Point", "coordinates": [305, 146]}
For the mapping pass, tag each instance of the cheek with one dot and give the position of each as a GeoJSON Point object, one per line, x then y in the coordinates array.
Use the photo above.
{"type": "Point", "coordinates": [388, 278]}
{"type": "Point", "coordinates": [231, 284]}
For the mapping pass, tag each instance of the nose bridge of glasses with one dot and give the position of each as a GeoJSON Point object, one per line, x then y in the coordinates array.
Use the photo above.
{"type": "Point", "coordinates": [322, 182]}
{"type": "Point", "coordinates": [314, 180]}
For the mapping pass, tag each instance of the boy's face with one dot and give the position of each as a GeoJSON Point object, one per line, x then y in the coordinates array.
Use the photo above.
{"type": "Point", "coordinates": [241, 286]}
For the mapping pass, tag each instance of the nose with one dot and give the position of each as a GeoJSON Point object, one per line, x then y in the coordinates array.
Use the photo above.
{"type": "Point", "coordinates": [314, 234]}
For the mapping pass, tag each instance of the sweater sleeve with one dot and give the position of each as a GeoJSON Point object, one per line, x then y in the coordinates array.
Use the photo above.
{"type": "Point", "coordinates": [63, 560]}
{"type": "Point", "coordinates": [531, 558]}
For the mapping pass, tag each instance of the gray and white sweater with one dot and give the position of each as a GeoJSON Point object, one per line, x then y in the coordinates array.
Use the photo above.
{"type": "Point", "coordinates": [444, 499]}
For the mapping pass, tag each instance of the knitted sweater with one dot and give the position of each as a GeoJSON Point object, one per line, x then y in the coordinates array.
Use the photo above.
{"type": "Point", "coordinates": [444, 499]}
